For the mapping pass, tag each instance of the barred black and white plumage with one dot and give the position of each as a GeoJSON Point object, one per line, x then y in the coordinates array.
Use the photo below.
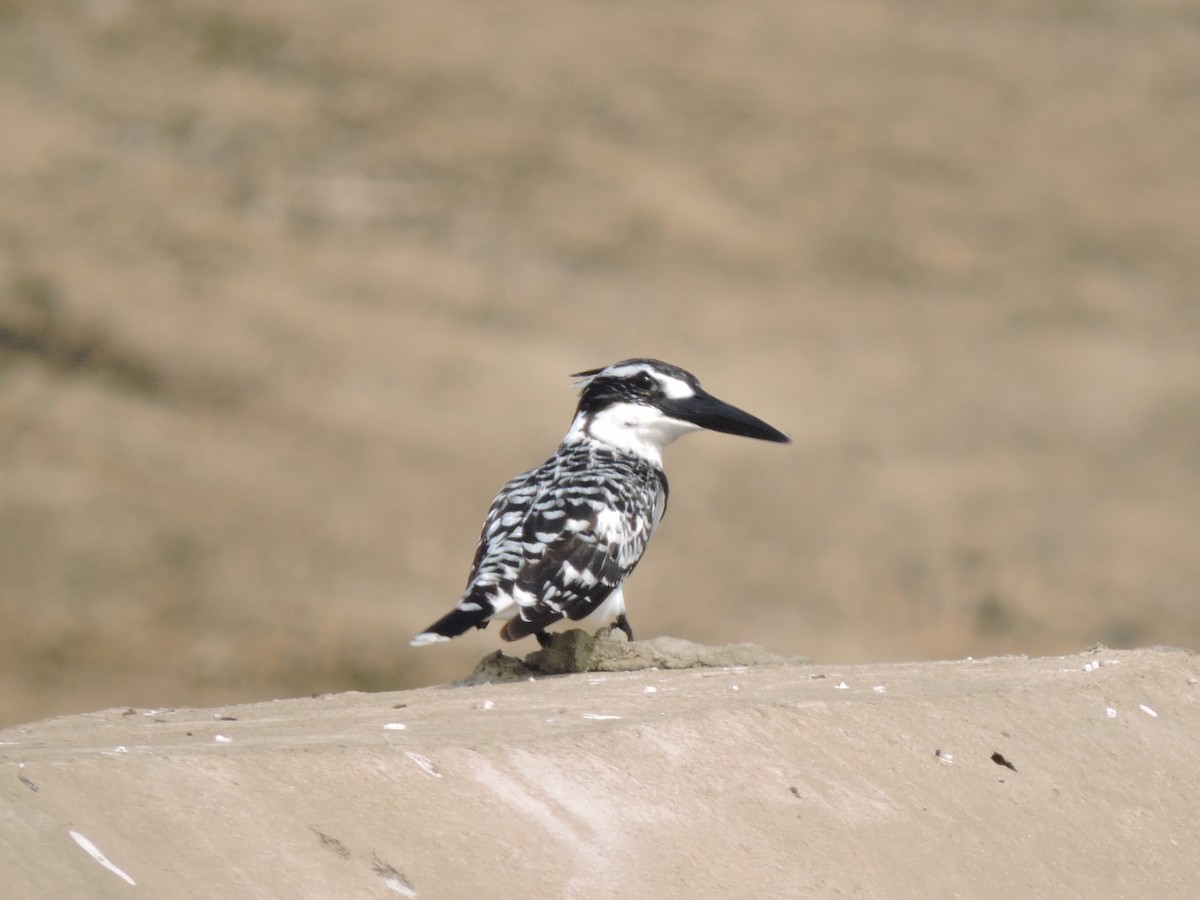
{"type": "Point", "coordinates": [560, 539]}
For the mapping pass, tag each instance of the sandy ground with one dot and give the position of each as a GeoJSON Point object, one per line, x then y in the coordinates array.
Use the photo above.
{"type": "Point", "coordinates": [289, 289]}
{"type": "Point", "coordinates": [1004, 777]}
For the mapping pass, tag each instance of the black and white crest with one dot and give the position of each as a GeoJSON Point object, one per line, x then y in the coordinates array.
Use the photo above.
{"type": "Point", "coordinates": [560, 540]}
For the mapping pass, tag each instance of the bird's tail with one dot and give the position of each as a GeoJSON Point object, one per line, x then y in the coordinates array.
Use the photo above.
{"type": "Point", "coordinates": [471, 612]}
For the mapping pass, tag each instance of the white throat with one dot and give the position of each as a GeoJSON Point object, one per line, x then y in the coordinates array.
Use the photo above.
{"type": "Point", "coordinates": [631, 428]}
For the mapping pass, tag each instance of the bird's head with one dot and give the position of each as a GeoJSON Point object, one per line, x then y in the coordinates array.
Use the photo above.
{"type": "Point", "coordinates": [641, 405]}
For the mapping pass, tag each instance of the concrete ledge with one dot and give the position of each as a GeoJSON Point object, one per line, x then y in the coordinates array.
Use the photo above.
{"type": "Point", "coordinates": [1068, 776]}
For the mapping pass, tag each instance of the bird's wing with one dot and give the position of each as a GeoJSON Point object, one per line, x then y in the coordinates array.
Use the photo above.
{"type": "Point", "coordinates": [576, 560]}
{"type": "Point", "coordinates": [556, 542]}
{"type": "Point", "coordinates": [559, 539]}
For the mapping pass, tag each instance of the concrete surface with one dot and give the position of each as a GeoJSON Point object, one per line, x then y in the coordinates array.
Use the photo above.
{"type": "Point", "coordinates": [1070, 776]}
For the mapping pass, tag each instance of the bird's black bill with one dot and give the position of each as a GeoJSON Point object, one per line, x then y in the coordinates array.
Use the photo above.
{"type": "Point", "coordinates": [708, 412]}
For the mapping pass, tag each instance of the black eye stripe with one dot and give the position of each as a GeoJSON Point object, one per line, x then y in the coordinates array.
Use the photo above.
{"type": "Point", "coordinates": [637, 386]}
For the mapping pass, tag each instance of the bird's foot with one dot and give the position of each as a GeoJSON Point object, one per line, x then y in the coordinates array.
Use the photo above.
{"type": "Point", "coordinates": [622, 623]}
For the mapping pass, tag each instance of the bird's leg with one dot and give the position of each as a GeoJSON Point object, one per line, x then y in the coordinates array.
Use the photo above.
{"type": "Point", "coordinates": [622, 622]}
{"type": "Point", "coordinates": [543, 639]}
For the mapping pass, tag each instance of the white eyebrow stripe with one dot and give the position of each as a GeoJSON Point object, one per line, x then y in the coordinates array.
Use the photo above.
{"type": "Point", "coordinates": [675, 388]}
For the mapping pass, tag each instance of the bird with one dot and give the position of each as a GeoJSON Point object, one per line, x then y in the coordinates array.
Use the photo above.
{"type": "Point", "coordinates": [561, 539]}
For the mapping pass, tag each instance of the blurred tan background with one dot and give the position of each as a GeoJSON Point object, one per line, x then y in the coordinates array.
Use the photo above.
{"type": "Point", "coordinates": [288, 290]}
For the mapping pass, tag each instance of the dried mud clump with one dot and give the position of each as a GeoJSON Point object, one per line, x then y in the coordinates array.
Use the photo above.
{"type": "Point", "coordinates": [577, 651]}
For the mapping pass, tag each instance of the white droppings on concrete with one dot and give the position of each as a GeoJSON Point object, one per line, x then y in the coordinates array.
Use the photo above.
{"type": "Point", "coordinates": [397, 886]}
{"type": "Point", "coordinates": [222, 739]}
{"type": "Point", "coordinates": [94, 852]}
{"type": "Point", "coordinates": [395, 726]}
{"type": "Point", "coordinates": [1110, 712]}
{"type": "Point", "coordinates": [423, 761]}
{"type": "Point", "coordinates": [1147, 710]}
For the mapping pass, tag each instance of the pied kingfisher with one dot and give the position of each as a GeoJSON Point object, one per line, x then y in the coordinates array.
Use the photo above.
{"type": "Point", "coordinates": [560, 540]}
